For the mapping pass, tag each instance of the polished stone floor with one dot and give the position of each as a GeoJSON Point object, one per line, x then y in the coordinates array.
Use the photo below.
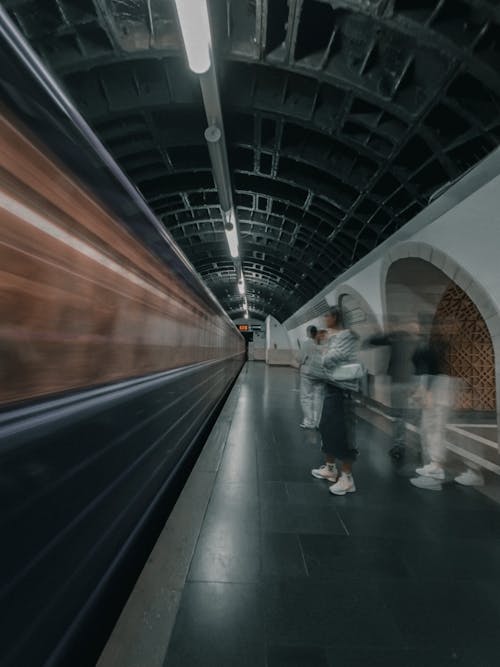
{"type": "Point", "coordinates": [285, 574]}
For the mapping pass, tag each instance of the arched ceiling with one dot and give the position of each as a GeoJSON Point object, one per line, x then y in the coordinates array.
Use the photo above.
{"type": "Point", "coordinates": [342, 118]}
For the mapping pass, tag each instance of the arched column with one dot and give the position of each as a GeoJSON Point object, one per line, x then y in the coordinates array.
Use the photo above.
{"type": "Point", "coordinates": [446, 264]}
{"type": "Point", "coordinates": [452, 270]}
{"type": "Point", "coordinates": [370, 323]}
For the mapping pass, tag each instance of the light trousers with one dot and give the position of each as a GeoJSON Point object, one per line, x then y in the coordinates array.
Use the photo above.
{"type": "Point", "coordinates": [400, 392]}
{"type": "Point", "coordinates": [432, 432]}
{"type": "Point", "coordinates": [311, 400]}
{"type": "Point", "coordinates": [436, 412]}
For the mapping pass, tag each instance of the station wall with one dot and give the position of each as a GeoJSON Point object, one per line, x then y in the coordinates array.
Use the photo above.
{"type": "Point", "coordinates": [462, 243]}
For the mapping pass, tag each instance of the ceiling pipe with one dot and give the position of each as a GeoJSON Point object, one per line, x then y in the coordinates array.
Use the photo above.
{"type": "Point", "coordinates": [196, 32]}
{"type": "Point", "coordinates": [211, 97]}
{"type": "Point", "coordinates": [217, 148]}
{"type": "Point", "coordinates": [220, 167]}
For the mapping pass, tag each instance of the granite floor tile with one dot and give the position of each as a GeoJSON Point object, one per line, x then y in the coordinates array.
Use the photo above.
{"type": "Point", "coordinates": [282, 556]}
{"type": "Point", "coordinates": [218, 625]}
{"type": "Point", "coordinates": [284, 573]}
{"type": "Point", "coordinates": [296, 656]}
{"type": "Point", "coordinates": [329, 557]}
{"type": "Point", "coordinates": [344, 613]}
{"type": "Point", "coordinates": [292, 518]}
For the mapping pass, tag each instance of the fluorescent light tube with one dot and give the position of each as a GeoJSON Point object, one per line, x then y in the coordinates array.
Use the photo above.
{"type": "Point", "coordinates": [232, 241]}
{"type": "Point", "coordinates": [241, 287]}
{"type": "Point", "coordinates": [195, 28]}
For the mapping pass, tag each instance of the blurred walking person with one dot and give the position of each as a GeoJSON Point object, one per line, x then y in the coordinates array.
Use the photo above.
{"type": "Point", "coordinates": [402, 341]}
{"type": "Point", "coordinates": [435, 394]}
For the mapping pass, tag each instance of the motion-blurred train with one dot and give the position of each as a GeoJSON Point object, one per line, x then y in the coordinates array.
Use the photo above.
{"type": "Point", "coordinates": [114, 357]}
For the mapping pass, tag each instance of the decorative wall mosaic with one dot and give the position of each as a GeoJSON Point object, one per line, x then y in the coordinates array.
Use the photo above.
{"type": "Point", "coordinates": [470, 353]}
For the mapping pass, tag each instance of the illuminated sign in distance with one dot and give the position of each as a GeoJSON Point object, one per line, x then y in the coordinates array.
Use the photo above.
{"type": "Point", "coordinates": [243, 327]}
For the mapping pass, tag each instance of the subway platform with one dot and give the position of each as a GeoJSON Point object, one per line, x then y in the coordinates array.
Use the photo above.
{"type": "Point", "coordinates": [259, 565]}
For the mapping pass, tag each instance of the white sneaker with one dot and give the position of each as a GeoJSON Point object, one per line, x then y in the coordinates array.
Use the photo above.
{"type": "Point", "coordinates": [328, 472]}
{"type": "Point", "coordinates": [470, 478]}
{"type": "Point", "coordinates": [433, 470]}
{"type": "Point", "coordinates": [345, 484]}
{"type": "Point", "coordinates": [307, 425]}
{"type": "Point", "coordinates": [428, 483]}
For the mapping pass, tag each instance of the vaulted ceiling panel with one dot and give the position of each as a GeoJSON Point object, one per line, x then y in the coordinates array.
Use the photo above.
{"type": "Point", "coordinates": [342, 118]}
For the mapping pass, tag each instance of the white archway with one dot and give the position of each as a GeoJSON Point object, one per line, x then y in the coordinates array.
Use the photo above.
{"type": "Point", "coordinates": [452, 270]}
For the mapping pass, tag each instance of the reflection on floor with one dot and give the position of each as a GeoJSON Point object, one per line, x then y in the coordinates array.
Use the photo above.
{"type": "Point", "coordinates": [285, 574]}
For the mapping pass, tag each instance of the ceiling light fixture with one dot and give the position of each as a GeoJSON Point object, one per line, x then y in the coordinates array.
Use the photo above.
{"type": "Point", "coordinates": [195, 28]}
{"type": "Point", "coordinates": [232, 241]}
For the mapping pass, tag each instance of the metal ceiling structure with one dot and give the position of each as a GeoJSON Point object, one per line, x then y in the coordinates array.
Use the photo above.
{"type": "Point", "coordinates": [342, 118]}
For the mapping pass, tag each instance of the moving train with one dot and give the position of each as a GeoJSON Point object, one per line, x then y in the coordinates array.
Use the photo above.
{"type": "Point", "coordinates": [114, 358]}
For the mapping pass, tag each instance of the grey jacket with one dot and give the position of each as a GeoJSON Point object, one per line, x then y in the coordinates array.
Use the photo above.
{"type": "Point", "coordinates": [308, 351]}
{"type": "Point", "coordinates": [342, 348]}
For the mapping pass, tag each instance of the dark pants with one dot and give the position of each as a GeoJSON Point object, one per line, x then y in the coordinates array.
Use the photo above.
{"type": "Point", "coordinates": [337, 424]}
{"type": "Point", "coordinates": [400, 392]}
